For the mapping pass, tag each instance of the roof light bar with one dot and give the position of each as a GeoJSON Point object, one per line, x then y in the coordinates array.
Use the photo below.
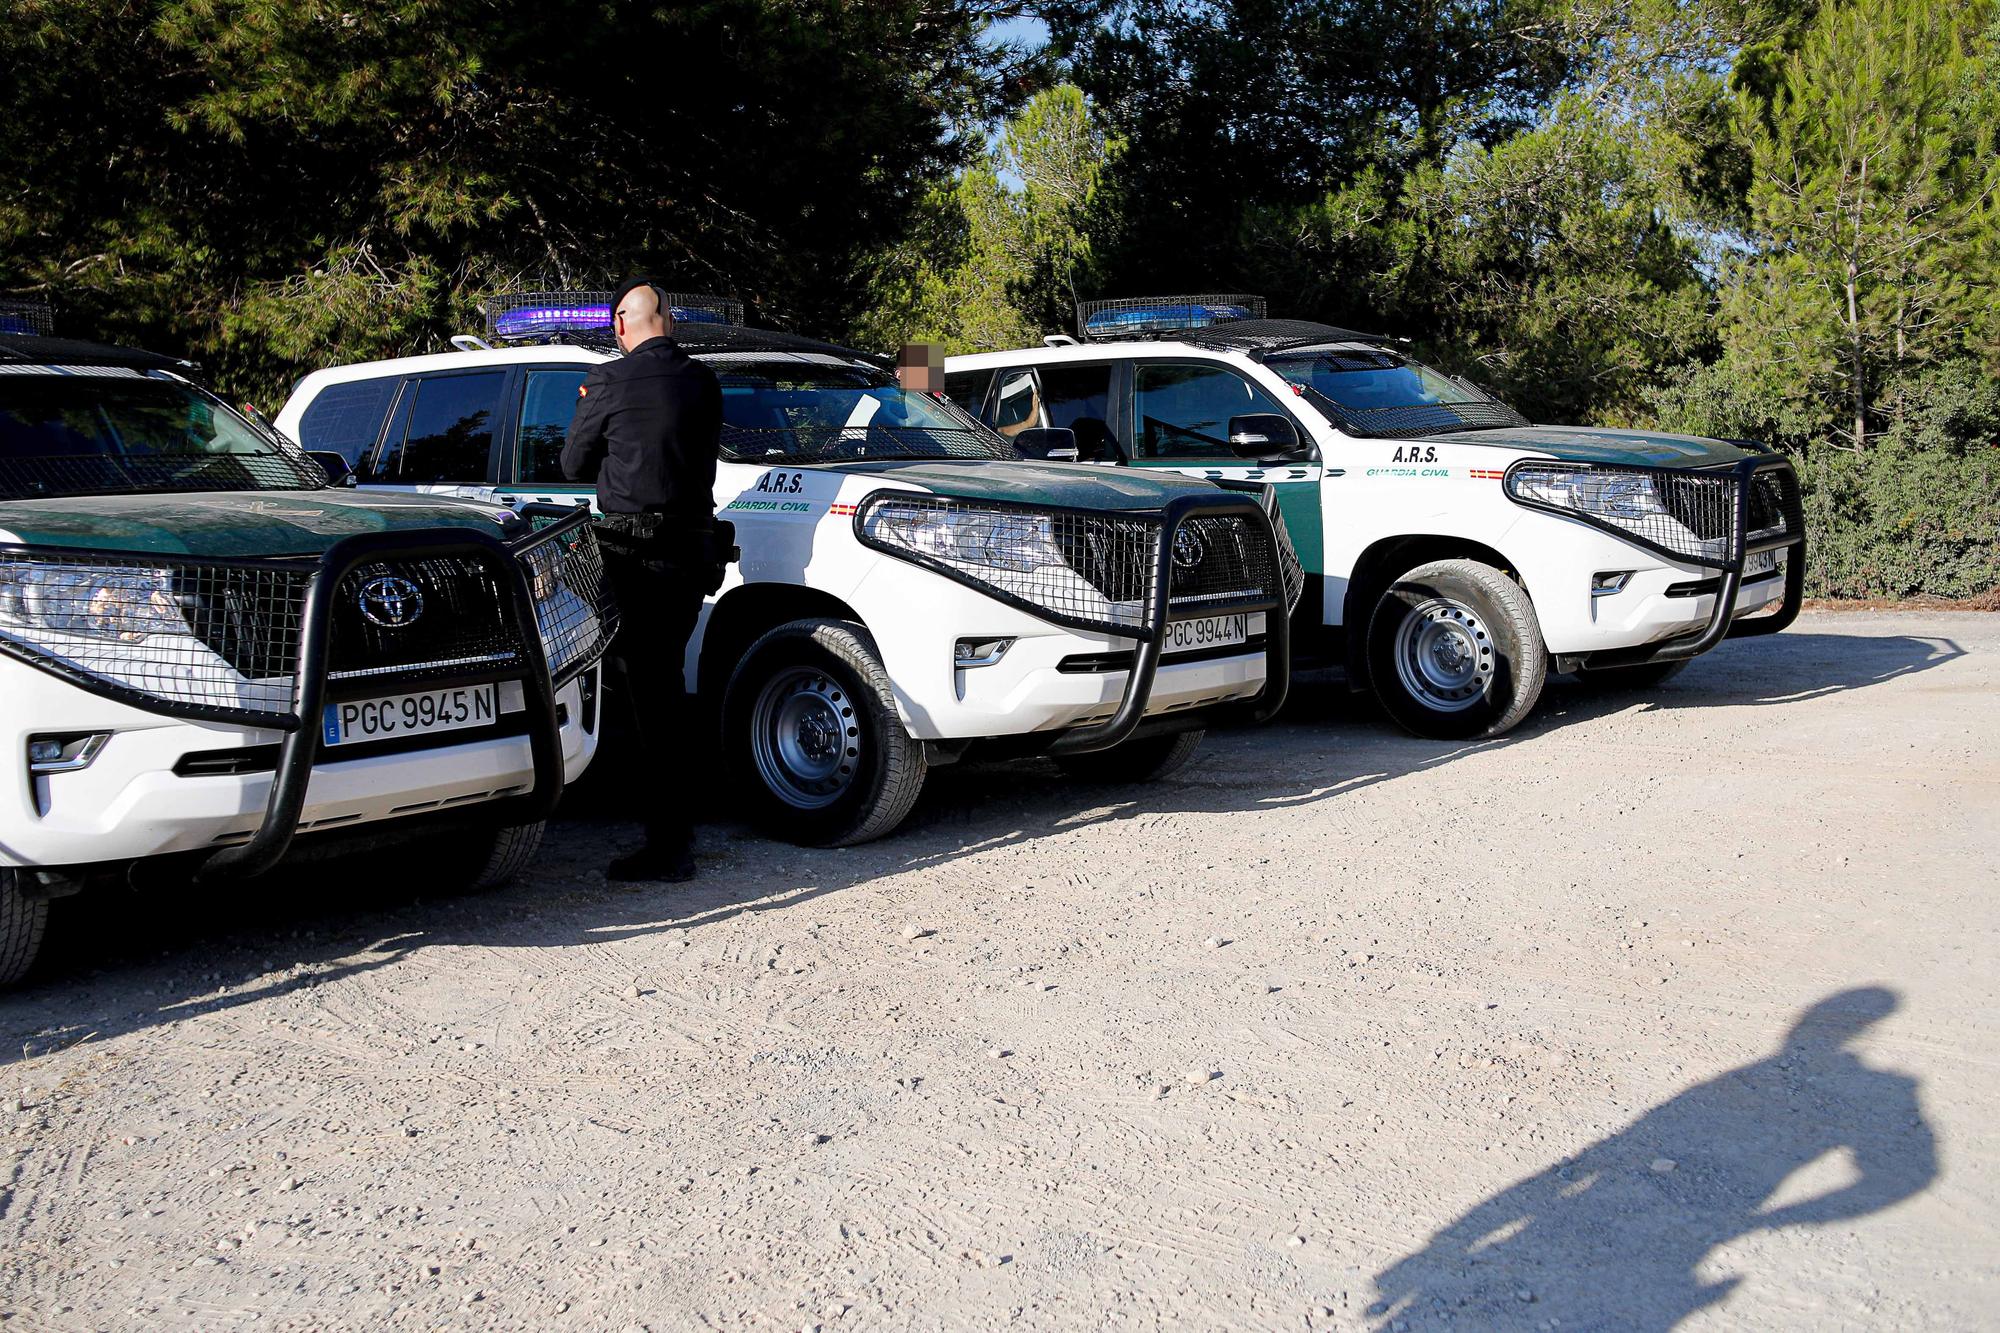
{"type": "Point", "coordinates": [26, 318]}
{"type": "Point", "coordinates": [1138, 317]}
{"type": "Point", "coordinates": [526, 316]}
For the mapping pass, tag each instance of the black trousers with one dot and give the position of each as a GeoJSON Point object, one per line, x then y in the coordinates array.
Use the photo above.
{"type": "Point", "coordinates": [657, 608]}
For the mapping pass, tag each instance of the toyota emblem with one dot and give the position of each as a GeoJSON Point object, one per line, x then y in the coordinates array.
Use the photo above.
{"type": "Point", "coordinates": [391, 601]}
{"type": "Point", "coordinates": [1188, 550]}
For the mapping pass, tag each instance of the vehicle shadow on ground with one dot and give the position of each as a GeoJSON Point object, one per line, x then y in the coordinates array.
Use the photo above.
{"type": "Point", "coordinates": [1617, 1236]}
{"type": "Point", "coordinates": [122, 962]}
{"type": "Point", "coordinates": [1782, 669]}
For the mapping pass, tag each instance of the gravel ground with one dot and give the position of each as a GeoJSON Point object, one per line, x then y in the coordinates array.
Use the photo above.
{"type": "Point", "coordinates": [1669, 1007]}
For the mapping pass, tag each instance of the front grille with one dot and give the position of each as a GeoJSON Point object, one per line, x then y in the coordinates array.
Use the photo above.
{"type": "Point", "coordinates": [1221, 561]}
{"type": "Point", "coordinates": [464, 621]}
{"type": "Point", "coordinates": [1775, 506]}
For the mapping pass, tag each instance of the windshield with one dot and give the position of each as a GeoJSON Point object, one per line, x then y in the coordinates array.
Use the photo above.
{"type": "Point", "coordinates": [109, 431]}
{"type": "Point", "coordinates": [803, 412]}
{"type": "Point", "coordinates": [1376, 393]}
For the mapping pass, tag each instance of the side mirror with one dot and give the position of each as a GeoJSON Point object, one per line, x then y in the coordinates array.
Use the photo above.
{"type": "Point", "coordinates": [335, 466]}
{"type": "Point", "coordinates": [1057, 444]}
{"type": "Point", "coordinates": [1267, 438]}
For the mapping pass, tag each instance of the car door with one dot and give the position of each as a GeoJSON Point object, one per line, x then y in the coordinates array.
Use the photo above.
{"type": "Point", "coordinates": [444, 435]}
{"type": "Point", "coordinates": [1180, 420]}
{"type": "Point", "coordinates": [544, 400]}
{"type": "Point", "coordinates": [1080, 397]}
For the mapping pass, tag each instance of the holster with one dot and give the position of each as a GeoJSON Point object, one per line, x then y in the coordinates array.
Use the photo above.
{"type": "Point", "coordinates": [702, 555]}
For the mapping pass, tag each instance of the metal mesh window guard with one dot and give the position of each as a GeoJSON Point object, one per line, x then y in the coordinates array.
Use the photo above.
{"type": "Point", "coordinates": [34, 477]}
{"type": "Point", "coordinates": [1406, 423]}
{"type": "Point", "coordinates": [829, 444]}
{"type": "Point", "coordinates": [1261, 336]}
{"type": "Point", "coordinates": [1150, 316]}
{"type": "Point", "coordinates": [527, 316]}
{"type": "Point", "coordinates": [26, 317]}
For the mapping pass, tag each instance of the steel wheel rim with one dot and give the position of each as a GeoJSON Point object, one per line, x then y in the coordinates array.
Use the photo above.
{"type": "Point", "coordinates": [1445, 656]}
{"type": "Point", "coordinates": [805, 738]}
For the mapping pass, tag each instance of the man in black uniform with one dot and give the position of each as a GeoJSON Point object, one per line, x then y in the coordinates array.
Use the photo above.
{"type": "Point", "coordinates": [646, 430]}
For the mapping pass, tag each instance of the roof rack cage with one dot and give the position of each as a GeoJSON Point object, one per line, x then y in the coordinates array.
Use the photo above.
{"type": "Point", "coordinates": [1150, 316]}
{"type": "Point", "coordinates": [31, 318]}
{"type": "Point", "coordinates": [534, 316]}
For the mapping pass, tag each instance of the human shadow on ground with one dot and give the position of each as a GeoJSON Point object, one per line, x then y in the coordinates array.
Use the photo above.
{"type": "Point", "coordinates": [121, 962]}
{"type": "Point", "coordinates": [1616, 1236]}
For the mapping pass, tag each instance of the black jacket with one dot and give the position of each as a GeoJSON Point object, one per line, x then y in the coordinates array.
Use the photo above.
{"type": "Point", "coordinates": [645, 431]}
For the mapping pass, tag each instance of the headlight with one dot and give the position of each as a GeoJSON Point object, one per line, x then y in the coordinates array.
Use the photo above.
{"type": "Point", "coordinates": [118, 603]}
{"type": "Point", "coordinates": [1634, 502]}
{"type": "Point", "coordinates": [994, 539]}
{"type": "Point", "coordinates": [1068, 567]}
{"type": "Point", "coordinates": [1620, 496]}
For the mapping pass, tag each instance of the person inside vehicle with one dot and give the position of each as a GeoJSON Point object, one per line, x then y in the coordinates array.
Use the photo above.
{"type": "Point", "coordinates": [646, 431]}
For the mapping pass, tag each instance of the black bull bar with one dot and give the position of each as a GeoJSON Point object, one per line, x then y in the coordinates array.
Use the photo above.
{"type": "Point", "coordinates": [1722, 622]}
{"type": "Point", "coordinates": [300, 748]}
{"type": "Point", "coordinates": [1151, 636]}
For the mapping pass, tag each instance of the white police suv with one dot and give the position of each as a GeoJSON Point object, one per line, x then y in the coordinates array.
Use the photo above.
{"type": "Point", "coordinates": [911, 587]}
{"type": "Point", "coordinates": [1455, 553]}
{"type": "Point", "coordinates": [207, 651]}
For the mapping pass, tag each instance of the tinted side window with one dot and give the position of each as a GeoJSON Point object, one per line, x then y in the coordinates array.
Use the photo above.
{"type": "Point", "coordinates": [451, 430]}
{"type": "Point", "coordinates": [967, 388]}
{"type": "Point", "coordinates": [346, 419]}
{"type": "Point", "coordinates": [1183, 410]}
{"type": "Point", "coordinates": [1079, 397]}
{"type": "Point", "coordinates": [547, 404]}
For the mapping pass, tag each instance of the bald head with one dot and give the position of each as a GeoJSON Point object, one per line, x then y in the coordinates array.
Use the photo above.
{"type": "Point", "coordinates": [639, 316]}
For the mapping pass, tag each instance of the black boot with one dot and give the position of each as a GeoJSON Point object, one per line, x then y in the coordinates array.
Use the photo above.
{"type": "Point", "coordinates": [656, 862]}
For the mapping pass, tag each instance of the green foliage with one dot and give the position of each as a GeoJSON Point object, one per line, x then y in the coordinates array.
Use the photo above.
{"type": "Point", "coordinates": [1917, 513]}
{"type": "Point", "coordinates": [1874, 175]}
{"type": "Point", "coordinates": [278, 184]}
{"type": "Point", "coordinates": [996, 259]}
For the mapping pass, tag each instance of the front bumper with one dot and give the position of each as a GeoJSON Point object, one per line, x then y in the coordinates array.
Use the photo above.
{"type": "Point", "coordinates": [1674, 606]}
{"type": "Point", "coordinates": [143, 806]}
{"type": "Point", "coordinates": [131, 803]}
{"type": "Point", "coordinates": [1031, 690]}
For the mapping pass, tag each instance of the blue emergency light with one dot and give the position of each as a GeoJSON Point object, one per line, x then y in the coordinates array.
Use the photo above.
{"type": "Point", "coordinates": [26, 318]}
{"type": "Point", "coordinates": [519, 316]}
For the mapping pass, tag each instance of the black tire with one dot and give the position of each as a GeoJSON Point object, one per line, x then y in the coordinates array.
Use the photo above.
{"type": "Point", "coordinates": [470, 859]}
{"type": "Point", "coordinates": [1455, 651]}
{"type": "Point", "coordinates": [1145, 760]}
{"type": "Point", "coordinates": [23, 922]}
{"type": "Point", "coordinates": [787, 705]}
{"type": "Point", "coordinates": [1649, 676]}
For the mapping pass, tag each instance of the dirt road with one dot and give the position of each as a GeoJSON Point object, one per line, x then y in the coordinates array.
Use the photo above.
{"type": "Point", "coordinates": [1668, 1007]}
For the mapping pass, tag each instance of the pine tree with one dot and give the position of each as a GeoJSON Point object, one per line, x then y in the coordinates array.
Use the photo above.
{"type": "Point", "coordinates": [1871, 201]}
